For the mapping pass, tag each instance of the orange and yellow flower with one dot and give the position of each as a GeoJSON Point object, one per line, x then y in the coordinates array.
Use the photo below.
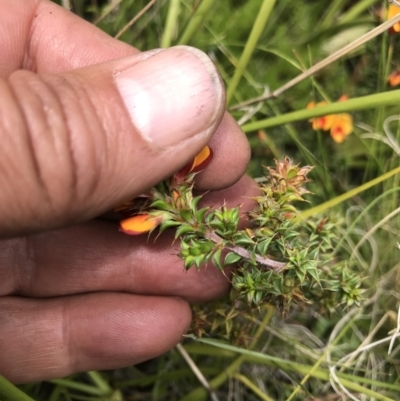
{"type": "Point", "coordinates": [142, 223]}
{"type": "Point", "coordinates": [394, 79]}
{"type": "Point", "coordinates": [392, 11]}
{"type": "Point", "coordinates": [339, 125]}
{"type": "Point", "coordinates": [147, 222]}
{"type": "Point", "coordinates": [199, 163]}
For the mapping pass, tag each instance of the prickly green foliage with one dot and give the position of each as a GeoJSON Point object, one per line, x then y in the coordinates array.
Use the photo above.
{"type": "Point", "coordinates": [279, 258]}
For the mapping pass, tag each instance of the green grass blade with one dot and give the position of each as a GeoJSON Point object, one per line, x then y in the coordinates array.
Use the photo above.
{"type": "Point", "coordinates": [323, 374]}
{"type": "Point", "coordinates": [98, 380]}
{"type": "Point", "coordinates": [362, 214]}
{"type": "Point", "coordinates": [349, 194]}
{"type": "Point", "coordinates": [200, 394]}
{"type": "Point", "coordinates": [171, 24]}
{"type": "Point", "coordinates": [74, 385]}
{"type": "Point", "coordinates": [258, 27]}
{"type": "Point", "coordinates": [288, 365]}
{"type": "Point", "coordinates": [195, 21]}
{"type": "Point", "coordinates": [249, 384]}
{"type": "Point", "coordinates": [330, 14]}
{"type": "Point", "coordinates": [8, 392]}
{"type": "Point", "coordinates": [360, 103]}
{"type": "Point", "coordinates": [358, 8]}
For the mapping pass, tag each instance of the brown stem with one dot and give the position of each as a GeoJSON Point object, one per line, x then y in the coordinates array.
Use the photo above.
{"type": "Point", "coordinates": [262, 260]}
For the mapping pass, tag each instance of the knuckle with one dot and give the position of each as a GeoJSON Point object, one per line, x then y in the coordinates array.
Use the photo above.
{"type": "Point", "coordinates": [55, 139]}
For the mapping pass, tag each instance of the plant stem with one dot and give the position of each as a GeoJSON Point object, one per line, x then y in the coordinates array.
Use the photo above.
{"type": "Point", "coordinates": [244, 253]}
{"type": "Point", "coordinates": [200, 377]}
{"type": "Point", "coordinates": [327, 61]}
{"type": "Point", "coordinates": [195, 21]}
{"type": "Point", "coordinates": [8, 392]}
{"type": "Point", "coordinates": [361, 103]}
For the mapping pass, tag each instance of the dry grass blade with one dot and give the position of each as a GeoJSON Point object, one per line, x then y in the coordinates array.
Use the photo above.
{"type": "Point", "coordinates": [322, 64]}
{"type": "Point", "coordinates": [135, 18]}
{"type": "Point", "coordinates": [66, 4]}
{"type": "Point", "coordinates": [197, 372]}
{"type": "Point", "coordinates": [109, 9]}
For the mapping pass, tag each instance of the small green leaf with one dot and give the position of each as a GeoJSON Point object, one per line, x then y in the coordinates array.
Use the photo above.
{"type": "Point", "coordinates": [188, 262]}
{"type": "Point", "coordinates": [217, 225]}
{"type": "Point", "coordinates": [168, 224]}
{"type": "Point", "coordinates": [200, 214]}
{"type": "Point", "coordinates": [301, 275]}
{"type": "Point", "coordinates": [198, 260]}
{"type": "Point", "coordinates": [314, 274]}
{"type": "Point", "coordinates": [263, 246]}
{"type": "Point", "coordinates": [232, 258]}
{"type": "Point", "coordinates": [195, 202]}
{"type": "Point", "coordinates": [186, 214]}
{"type": "Point", "coordinates": [183, 229]}
{"type": "Point", "coordinates": [160, 204]}
{"type": "Point", "coordinates": [216, 259]}
{"type": "Point", "coordinates": [243, 240]}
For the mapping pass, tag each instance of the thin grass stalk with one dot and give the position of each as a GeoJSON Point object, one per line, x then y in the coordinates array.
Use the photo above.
{"type": "Point", "coordinates": [258, 28]}
{"type": "Point", "coordinates": [9, 392]}
{"type": "Point", "coordinates": [66, 4]}
{"type": "Point", "coordinates": [195, 21]}
{"type": "Point", "coordinates": [320, 360]}
{"type": "Point", "coordinates": [56, 394]}
{"type": "Point", "coordinates": [356, 10]}
{"type": "Point", "coordinates": [376, 148]}
{"type": "Point", "coordinates": [171, 23]}
{"type": "Point", "coordinates": [330, 14]}
{"type": "Point", "coordinates": [102, 384]}
{"type": "Point", "coordinates": [135, 18]}
{"type": "Point", "coordinates": [286, 365]}
{"type": "Point", "coordinates": [316, 372]}
{"type": "Point", "coordinates": [196, 371]}
{"type": "Point", "coordinates": [348, 195]}
{"type": "Point", "coordinates": [200, 393]}
{"type": "Point", "coordinates": [109, 9]}
{"type": "Point", "coordinates": [373, 229]}
{"type": "Point", "coordinates": [362, 214]}
{"type": "Point", "coordinates": [73, 385]}
{"type": "Point", "coordinates": [324, 63]}
{"type": "Point", "coordinates": [250, 385]}
{"type": "Point", "coordinates": [361, 103]}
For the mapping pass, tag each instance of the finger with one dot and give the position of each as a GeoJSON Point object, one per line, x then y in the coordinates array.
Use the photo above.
{"type": "Point", "coordinates": [96, 257]}
{"type": "Point", "coordinates": [41, 36]}
{"type": "Point", "coordinates": [231, 155]}
{"type": "Point", "coordinates": [44, 339]}
{"type": "Point", "coordinates": [58, 41]}
{"type": "Point", "coordinates": [74, 145]}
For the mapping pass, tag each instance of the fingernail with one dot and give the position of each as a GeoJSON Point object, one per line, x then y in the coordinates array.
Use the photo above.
{"type": "Point", "coordinates": [173, 95]}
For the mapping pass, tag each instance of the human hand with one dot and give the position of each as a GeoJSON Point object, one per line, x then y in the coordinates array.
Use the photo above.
{"type": "Point", "coordinates": [86, 123]}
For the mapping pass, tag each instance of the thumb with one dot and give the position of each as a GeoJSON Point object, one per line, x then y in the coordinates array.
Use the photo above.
{"type": "Point", "coordinates": [76, 144]}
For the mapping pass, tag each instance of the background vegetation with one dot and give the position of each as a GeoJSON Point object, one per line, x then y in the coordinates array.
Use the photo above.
{"type": "Point", "coordinates": [347, 354]}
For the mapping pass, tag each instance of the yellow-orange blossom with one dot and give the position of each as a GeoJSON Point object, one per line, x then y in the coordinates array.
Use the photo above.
{"type": "Point", "coordinates": [143, 223]}
{"type": "Point", "coordinates": [339, 125]}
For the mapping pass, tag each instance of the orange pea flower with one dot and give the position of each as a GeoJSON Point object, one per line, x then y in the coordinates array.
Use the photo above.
{"type": "Point", "coordinates": [200, 162]}
{"type": "Point", "coordinates": [394, 79]}
{"type": "Point", "coordinates": [324, 122]}
{"type": "Point", "coordinates": [339, 125]}
{"type": "Point", "coordinates": [145, 222]}
{"type": "Point", "coordinates": [342, 126]}
{"type": "Point", "coordinates": [140, 224]}
{"type": "Point", "coordinates": [392, 11]}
